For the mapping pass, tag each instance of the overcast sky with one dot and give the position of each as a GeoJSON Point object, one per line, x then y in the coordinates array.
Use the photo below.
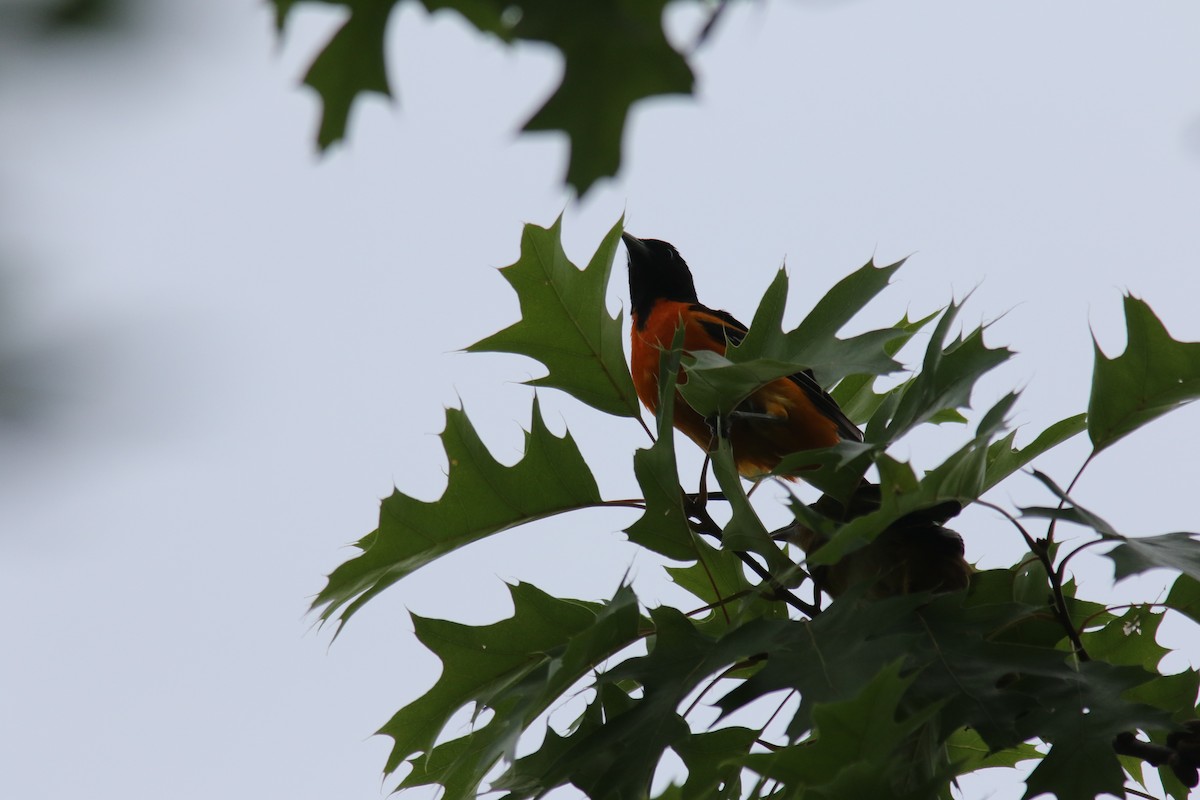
{"type": "Point", "coordinates": [239, 347]}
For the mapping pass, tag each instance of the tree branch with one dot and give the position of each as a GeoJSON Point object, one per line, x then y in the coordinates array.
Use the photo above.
{"type": "Point", "coordinates": [1041, 551]}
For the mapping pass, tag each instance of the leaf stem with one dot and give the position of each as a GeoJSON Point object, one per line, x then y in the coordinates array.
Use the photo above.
{"type": "Point", "coordinates": [1063, 500]}
{"type": "Point", "coordinates": [632, 502]}
{"type": "Point", "coordinates": [721, 601]}
{"type": "Point", "coordinates": [724, 601]}
{"type": "Point", "coordinates": [707, 29]}
{"type": "Point", "coordinates": [771, 719]}
{"type": "Point", "coordinates": [1063, 564]}
{"type": "Point", "coordinates": [1123, 606]}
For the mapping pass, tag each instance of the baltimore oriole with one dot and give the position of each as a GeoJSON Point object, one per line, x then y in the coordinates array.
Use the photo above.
{"type": "Point", "coordinates": [916, 553]}
{"type": "Point", "coordinates": [785, 416]}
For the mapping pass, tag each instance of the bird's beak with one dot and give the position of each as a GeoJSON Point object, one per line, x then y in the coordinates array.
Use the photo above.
{"type": "Point", "coordinates": [636, 247]}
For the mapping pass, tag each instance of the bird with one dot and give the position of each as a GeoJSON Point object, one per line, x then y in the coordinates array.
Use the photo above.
{"type": "Point", "coordinates": [914, 554]}
{"type": "Point", "coordinates": [785, 416]}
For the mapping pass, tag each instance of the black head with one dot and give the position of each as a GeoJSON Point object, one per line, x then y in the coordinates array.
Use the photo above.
{"type": "Point", "coordinates": [656, 272]}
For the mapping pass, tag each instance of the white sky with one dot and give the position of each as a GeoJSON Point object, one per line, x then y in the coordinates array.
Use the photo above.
{"type": "Point", "coordinates": [256, 344]}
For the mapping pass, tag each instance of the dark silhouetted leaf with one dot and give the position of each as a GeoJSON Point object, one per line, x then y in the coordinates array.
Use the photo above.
{"type": "Point", "coordinates": [861, 747]}
{"type": "Point", "coordinates": [1175, 694]}
{"type": "Point", "coordinates": [714, 763]}
{"type": "Point", "coordinates": [1178, 551]}
{"type": "Point", "coordinates": [1081, 764]}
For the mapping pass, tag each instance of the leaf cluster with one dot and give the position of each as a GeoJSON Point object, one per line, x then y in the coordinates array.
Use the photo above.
{"type": "Point", "coordinates": [869, 695]}
{"type": "Point", "coordinates": [615, 52]}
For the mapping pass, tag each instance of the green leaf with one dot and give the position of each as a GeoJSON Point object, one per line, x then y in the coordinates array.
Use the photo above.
{"type": "Point", "coordinates": [961, 478]}
{"type": "Point", "coordinates": [564, 324]}
{"type": "Point", "coordinates": [516, 667]}
{"type": "Point", "coordinates": [556, 761]}
{"type": "Point", "coordinates": [975, 659]}
{"type": "Point", "coordinates": [663, 527]}
{"type": "Point", "coordinates": [1184, 597]}
{"type": "Point", "coordinates": [351, 63]}
{"type": "Point", "coordinates": [968, 752]}
{"type": "Point", "coordinates": [716, 575]}
{"type": "Point", "coordinates": [482, 497]}
{"type": "Point", "coordinates": [1129, 640]}
{"type": "Point", "coordinates": [813, 344]}
{"type": "Point", "coordinates": [619, 759]}
{"type": "Point", "coordinates": [745, 531]}
{"type": "Point", "coordinates": [1003, 459]}
{"type": "Point", "coordinates": [1031, 583]}
{"type": "Point", "coordinates": [282, 9]}
{"type": "Point", "coordinates": [947, 376]}
{"type": "Point", "coordinates": [615, 53]}
{"type": "Point", "coordinates": [855, 393]}
{"type": "Point", "coordinates": [1154, 375]}
{"type": "Point", "coordinates": [718, 383]}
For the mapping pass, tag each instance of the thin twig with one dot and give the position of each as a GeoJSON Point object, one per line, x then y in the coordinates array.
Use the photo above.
{"type": "Point", "coordinates": [711, 683]}
{"type": "Point", "coordinates": [1135, 792]}
{"type": "Point", "coordinates": [646, 428]}
{"type": "Point", "coordinates": [703, 523]}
